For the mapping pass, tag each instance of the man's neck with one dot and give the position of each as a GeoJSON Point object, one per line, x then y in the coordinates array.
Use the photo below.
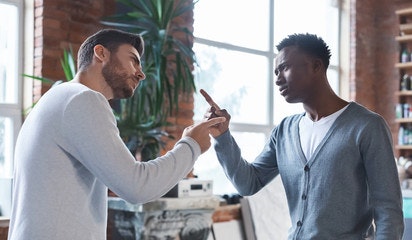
{"type": "Point", "coordinates": [94, 81]}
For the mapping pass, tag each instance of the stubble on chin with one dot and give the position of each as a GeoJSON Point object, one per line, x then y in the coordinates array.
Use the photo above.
{"type": "Point", "coordinates": [127, 93]}
{"type": "Point", "coordinates": [122, 92]}
{"type": "Point", "coordinates": [118, 83]}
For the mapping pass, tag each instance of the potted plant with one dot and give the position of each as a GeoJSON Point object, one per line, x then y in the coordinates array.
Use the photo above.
{"type": "Point", "coordinates": [167, 63]}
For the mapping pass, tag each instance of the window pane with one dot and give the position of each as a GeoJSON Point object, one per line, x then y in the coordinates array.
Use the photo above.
{"type": "Point", "coordinates": [311, 22]}
{"type": "Point", "coordinates": [6, 146]}
{"type": "Point", "coordinates": [236, 81]}
{"type": "Point", "coordinates": [8, 47]}
{"type": "Point", "coordinates": [333, 77]}
{"type": "Point", "coordinates": [207, 166]}
{"type": "Point", "coordinates": [238, 22]}
{"type": "Point", "coordinates": [319, 17]}
{"type": "Point", "coordinates": [282, 109]}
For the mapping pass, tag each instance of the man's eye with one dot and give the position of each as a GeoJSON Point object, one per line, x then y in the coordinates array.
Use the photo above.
{"type": "Point", "coordinates": [284, 68]}
{"type": "Point", "coordinates": [280, 69]}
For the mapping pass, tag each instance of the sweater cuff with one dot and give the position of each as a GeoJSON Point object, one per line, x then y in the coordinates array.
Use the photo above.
{"type": "Point", "coordinates": [193, 145]}
{"type": "Point", "coordinates": [223, 138]}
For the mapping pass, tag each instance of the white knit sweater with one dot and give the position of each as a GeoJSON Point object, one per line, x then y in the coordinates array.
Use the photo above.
{"type": "Point", "coordinates": [68, 152]}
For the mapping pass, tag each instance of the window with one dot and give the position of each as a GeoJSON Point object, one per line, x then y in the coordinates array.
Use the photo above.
{"type": "Point", "coordinates": [10, 81]}
{"type": "Point", "coordinates": [235, 47]}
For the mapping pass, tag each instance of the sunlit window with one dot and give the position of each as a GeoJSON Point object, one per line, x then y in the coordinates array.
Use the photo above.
{"type": "Point", "coordinates": [10, 82]}
{"type": "Point", "coordinates": [6, 134]}
{"type": "Point", "coordinates": [8, 47]}
{"type": "Point", "coordinates": [235, 47]}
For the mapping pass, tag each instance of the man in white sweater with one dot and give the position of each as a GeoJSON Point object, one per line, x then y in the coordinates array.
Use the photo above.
{"type": "Point", "coordinates": [69, 151]}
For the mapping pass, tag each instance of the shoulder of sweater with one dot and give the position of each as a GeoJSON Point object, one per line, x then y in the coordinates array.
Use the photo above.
{"type": "Point", "coordinates": [291, 119]}
{"type": "Point", "coordinates": [358, 110]}
{"type": "Point", "coordinates": [357, 115]}
{"type": "Point", "coordinates": [74, 90]}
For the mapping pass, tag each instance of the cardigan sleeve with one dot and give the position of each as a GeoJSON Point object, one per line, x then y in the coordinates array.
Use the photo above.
{"type": "Point", "coordinates": [248, 178]}
{"type": "Point", "coordinates": [384, 188]}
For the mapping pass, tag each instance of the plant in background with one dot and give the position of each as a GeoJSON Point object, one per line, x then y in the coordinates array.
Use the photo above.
{"type": "Point", "coordinates": [167, 63]}
{"type": "Point", "coordinates": [69, 68]}
{"type": "Point", "coordinates": [68, 65]}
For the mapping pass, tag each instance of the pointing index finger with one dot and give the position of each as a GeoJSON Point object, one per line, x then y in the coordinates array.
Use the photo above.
{"type": "Point", "coordinates": [209, 99]}
{"type": "Point", "coordinates": [213, 121]}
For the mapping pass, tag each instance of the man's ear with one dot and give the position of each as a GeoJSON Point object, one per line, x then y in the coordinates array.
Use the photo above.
{"type": "Point", "coordinates": [317, 64]}
{"type": "Point", "coordinates": [100, 52]}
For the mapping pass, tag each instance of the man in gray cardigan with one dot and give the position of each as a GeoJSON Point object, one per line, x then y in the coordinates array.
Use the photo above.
{"type": "Point", "coordinates": [336, 159]}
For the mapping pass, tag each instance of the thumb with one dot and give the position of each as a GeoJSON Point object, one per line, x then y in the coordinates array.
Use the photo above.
{"type": "Point", "coordinates": [214, 121]}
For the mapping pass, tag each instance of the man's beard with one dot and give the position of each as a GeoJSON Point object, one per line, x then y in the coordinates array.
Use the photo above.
{"type": "Point", "coordinates": [117, 80]}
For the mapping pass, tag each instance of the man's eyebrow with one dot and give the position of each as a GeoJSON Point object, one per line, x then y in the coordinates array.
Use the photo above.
{"type": "Point", "coordinates": [136, 58]}
{"type": "Point", "coordinates": [281, 65]}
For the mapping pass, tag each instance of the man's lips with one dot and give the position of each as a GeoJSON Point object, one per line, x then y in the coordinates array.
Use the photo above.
{"type": "Point", "coordinates": [136, 81]}
{"type": "Point", "coordinates": [283, 90]}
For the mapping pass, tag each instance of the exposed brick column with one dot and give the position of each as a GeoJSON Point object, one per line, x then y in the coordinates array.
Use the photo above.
{"type": "Point", "coordinates": [58, 25]}
{"type": "Point", "coordinates": [184, 116]}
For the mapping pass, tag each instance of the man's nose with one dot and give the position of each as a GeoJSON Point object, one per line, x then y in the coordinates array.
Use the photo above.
{"type": "Point", "coordinates": [140, 74]}
{"type": "Point", "coordinates": [278, 79]}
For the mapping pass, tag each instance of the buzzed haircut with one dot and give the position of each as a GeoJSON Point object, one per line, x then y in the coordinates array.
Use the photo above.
{"type": "Point", "coordinates": [308, 43]}
{"type": "Point", "coordinates": [110, 39]}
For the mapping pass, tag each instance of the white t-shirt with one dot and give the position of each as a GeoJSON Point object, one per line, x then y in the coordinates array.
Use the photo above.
{"type": "Point", "coordinates": [312, 133]}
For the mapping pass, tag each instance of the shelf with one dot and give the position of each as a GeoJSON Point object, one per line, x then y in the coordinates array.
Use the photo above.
{"type": "Point", "coordinates": [4, 221]}
{"type": "Point", "coordinates": [406, 28]}
{"type": "Point", "coordinates": [404, 147]}
{"type": "Point", "coordinates": [404, 12]}
{"type": "Point", "coordinates": [404, 65]}
{"type": "Point", "coordinates": [404, 38]}
{"type": "Point", "coordinates": [403, 120]}
{"type": "Point", "coordinates": [403, 93]}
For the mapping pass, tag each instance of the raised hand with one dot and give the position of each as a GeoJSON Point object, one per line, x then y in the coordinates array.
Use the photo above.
{"type": "Point", "coordinates": [213, 112]}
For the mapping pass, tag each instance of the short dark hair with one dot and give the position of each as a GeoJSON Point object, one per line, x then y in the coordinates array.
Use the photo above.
{"type": "Point", "coordinates": [110, 39]}
{"type": "Point", "coordinates": [308, 43]}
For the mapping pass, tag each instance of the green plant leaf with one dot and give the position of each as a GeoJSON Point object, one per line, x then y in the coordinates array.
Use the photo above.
{"type": "Point", "coordinates": [43, 79]}
{"type": "Point", "coordinates": [68, 65]}
{"type": "Point", "coordinates": [157, 96]}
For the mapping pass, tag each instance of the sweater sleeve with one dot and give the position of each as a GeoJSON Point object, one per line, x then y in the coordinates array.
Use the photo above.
{"type": "Point", "coordinates": [383, 181]}
{"type": "Point", "coordinates": [90, 135]}
{"type": "Point", "coordinates": [248, 178]}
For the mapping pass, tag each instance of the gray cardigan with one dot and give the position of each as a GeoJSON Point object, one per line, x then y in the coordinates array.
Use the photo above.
{"type": "Point", "coordinates": [350, 181]}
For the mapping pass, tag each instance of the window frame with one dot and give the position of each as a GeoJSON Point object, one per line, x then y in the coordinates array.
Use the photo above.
{"type": "Point", "coordinates": [341, 68]}
{"type": "Point", "coordinates": [14, 111]}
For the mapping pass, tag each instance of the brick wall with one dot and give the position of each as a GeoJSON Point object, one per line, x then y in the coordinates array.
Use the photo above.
{"type": "Point", "coordinates": [58, 25]}
{"type": "Point", "coordinates": [184, 117]}
{"type": "Point", "coordinates": [373, 53]}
